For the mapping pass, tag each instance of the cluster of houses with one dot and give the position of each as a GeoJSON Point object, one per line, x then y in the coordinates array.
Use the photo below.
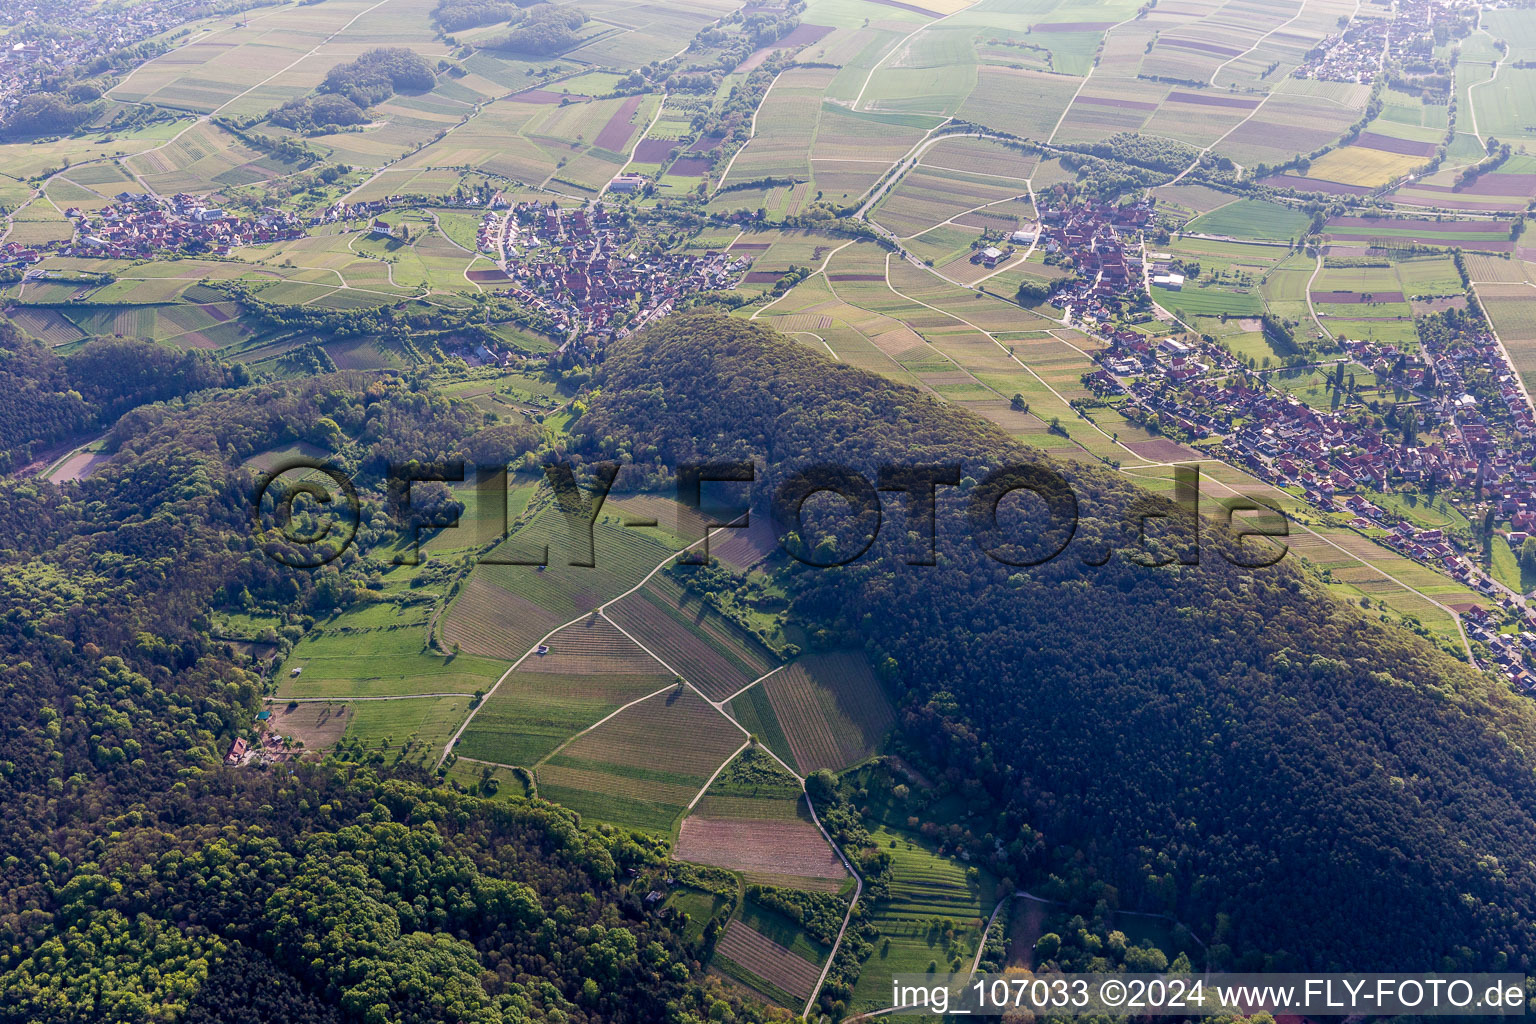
{"type": "Point", "coordinates": [488, 237]}
{"type": "Point", "coordinates": [75, 37]}
{"type": "Point", "coordinates": [1508, 650]}
{"type": "Point", "coordinates": [1093, 237]}
{"type": "Point", "coordinates": [269, 746]}
{"type": "Point", "coordinates": [15, 254]}
{"type": "Point", "coordinates": [134, 226]}
{"type": "Point", "coordinates": [582, 268]}
{"type": "Point", "coordinates": [1354, 56]}
{"type": "Point", "coordinates": [1479, 433]}
{"type": "Point", "coordinates": [1406, 36]}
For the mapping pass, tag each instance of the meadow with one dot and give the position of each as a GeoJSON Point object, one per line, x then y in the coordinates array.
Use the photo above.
{"type": "Point", "coordinates": [1251, 218]}
{"type": "Point", "coordinates": [355, 655]}
{"type": "Point", "coordinates": [417, 727]}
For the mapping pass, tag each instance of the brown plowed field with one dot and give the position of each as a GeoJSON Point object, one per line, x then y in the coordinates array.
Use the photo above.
{"type": "Point", "coordinates": [782, 847]}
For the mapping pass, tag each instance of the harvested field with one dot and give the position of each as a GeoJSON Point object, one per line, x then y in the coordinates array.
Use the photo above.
{"type": "Point", "coordinates": [765, 958]}
{"type": "Point", "coordinates": [804, 35]}
{"type": "Point", "coordinates": [1387, 144]}
{"type": "Point", "coordinates": [1161, 449]}
{"type": "Point", "coordinates": [1071, 26]}
{"type": "Point", "coordinates": [1199, 47]}
{"type": "Point", "coordinates": [1361, 165]}
{"type": "Point", "coordinates": [317, 725]}
{"type": "Point", "coordinates": [1494, 184]}
{"type": "Point", "coordinates": [618, 129]}
{"type": "Point", "coordinates": [770, 846]}
{"type": "Point", "coordinates": [654, 151]}
{"type": "Point", "coordinates": [691, 167]}
{"type": "Point", "coordinates": [1108, 101]}
{"type": "Point", "coordinates": [78, 466]}
{"type": "Point", "coordinates": [1311, 185]}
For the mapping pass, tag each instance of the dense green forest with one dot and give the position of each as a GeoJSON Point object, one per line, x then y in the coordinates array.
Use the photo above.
{"type": "Point", "coordinates": [142, 881]}
{"type": "Point", "coordinates": [1225, 744]}
{"type": "Point", "coordinates": [544, 30]}
{"type": "Point", "coordinates": [49, 398]}
{"type": "Point", "coordinates": [348, 89]}
{"type": "Point", "coordinates": [457, 15]}
{"type": "Point", "coordinates": [44, 114]}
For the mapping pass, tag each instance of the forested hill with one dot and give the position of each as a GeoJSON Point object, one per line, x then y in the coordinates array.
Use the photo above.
{"type": "Point", "coordinates": [141, 881]}
{"type": "Point", "coordinates": [1298, 782]}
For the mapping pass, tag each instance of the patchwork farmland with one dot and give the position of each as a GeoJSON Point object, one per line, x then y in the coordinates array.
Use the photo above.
{"type": "Point", "coordinates": [890, 184]}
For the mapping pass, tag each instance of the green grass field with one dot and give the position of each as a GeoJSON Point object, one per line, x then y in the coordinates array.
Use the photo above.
{"type": "Point", "coordinates": [416, 727]}
{"type": "Point", "coordinates": [358, 655]}
{"type": "Point", "coordinates": [1252, 218]}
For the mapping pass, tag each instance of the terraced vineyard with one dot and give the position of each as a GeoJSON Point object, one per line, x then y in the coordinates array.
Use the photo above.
{"type": "Point", "coordinates": [754, 819]}
{"type": "Point", "coordinates": [759, 962]}
{"type": "Point", "coordinates": [503, 609]}
{"type": "Point", "coordinates": [928, 895]}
